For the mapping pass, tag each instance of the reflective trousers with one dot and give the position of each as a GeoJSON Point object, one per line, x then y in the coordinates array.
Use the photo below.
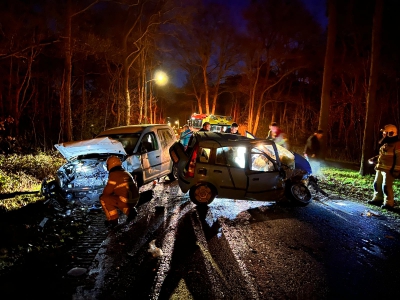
{"type": "Point", "coordinates": [111, 204]}
{"type": "Point", "coordinates": [383, 187]}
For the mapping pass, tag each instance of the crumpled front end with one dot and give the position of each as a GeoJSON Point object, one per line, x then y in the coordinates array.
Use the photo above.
{"type": "Point", "coordinates": [77, 178]}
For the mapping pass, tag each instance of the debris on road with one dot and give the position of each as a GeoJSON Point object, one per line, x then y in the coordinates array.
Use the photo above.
{"type": "Point", "coordinates": [155, 252]}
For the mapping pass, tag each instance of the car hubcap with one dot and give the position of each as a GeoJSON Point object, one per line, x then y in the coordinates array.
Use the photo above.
{"type": "Point", "coordinates": [203, 193]}
{"type": "Point", "coordinates": [300, 192]}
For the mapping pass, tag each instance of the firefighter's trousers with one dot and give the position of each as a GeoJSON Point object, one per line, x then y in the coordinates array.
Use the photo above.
{"type": "Point", "coordinates": [111, 204]}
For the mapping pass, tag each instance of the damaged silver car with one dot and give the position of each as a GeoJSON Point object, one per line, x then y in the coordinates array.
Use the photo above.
{"type": "Point", "coordinates": [237, 167]}
{"type": "Point", "coordinates": [143, 150]}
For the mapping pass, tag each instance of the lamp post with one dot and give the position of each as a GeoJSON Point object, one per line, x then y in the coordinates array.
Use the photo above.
{"type": "Point", "coordinates": [177, 123]}
{"type": "Point", "coordinates": [161, 79]}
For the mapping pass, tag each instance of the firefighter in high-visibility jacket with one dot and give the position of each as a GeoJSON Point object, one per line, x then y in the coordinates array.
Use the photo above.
{"type": "Point", "coordinates": [387, 168]}
{"type": "Point", "coordinates": [121, 192]}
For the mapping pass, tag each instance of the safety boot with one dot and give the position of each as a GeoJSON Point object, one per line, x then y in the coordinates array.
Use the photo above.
{"type": "Point", "coordinates": [132, 214]}
{"type": "Point", "coordinates": [388, 204]}
{"type": "Point", "coordinates": [376, 202]}
{"type": "Point", "coordinates": [110, 224]}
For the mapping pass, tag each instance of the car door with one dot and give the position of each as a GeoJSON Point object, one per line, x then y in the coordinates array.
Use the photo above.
{"type": "Point", "coordinates": [151, 157]}
{"type": "Point", "coordinates": [264, 179]}
{"type": "Point", "coordinates": [167, 139]}
{"type": "Point", "coordinates": [229, 172]}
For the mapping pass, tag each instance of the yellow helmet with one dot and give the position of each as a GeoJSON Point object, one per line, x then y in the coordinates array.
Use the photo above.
{"type": "Point", "coordinates": [112, 162]}
{"type": "Point", "coordinates": [389, 130]}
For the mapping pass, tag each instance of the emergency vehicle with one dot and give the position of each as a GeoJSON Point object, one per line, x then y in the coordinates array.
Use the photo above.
{"type": "Point", "coordinates": [218, 123]}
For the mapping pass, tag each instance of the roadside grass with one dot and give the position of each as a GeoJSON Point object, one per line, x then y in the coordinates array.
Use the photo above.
{"type": "Point", "coordinates": [350, 184]}
{"type": "Point", "coordinates": [25, 173]}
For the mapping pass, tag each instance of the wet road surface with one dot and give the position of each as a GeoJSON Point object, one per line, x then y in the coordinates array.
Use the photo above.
{"type": "Point", "coordinates": [330, 249]}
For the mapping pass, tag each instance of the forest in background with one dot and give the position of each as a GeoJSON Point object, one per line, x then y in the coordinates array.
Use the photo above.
{"type": "Point", "coordinates": [69, 69]}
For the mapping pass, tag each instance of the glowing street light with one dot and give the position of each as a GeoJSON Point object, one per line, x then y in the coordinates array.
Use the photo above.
{"type": "Point", "coordinates": [177, 123]}
{"type": "Point", "coordinates": [160, 78]}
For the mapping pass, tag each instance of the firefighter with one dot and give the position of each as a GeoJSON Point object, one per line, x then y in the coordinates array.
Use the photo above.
{"type": "Point", "coordinates": [121, 192]}
{"type": "Point", "coordinates": [387, 168]}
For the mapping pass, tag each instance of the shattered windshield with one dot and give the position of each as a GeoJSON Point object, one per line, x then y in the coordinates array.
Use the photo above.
{"type": "Point", "coordinates": [128, 140]}
{"type": "Point", "coordinates": [285, 156]}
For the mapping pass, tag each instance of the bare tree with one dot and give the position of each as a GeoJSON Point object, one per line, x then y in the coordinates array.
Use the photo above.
{"type": "Point", "coordinates": [367, 147]}
{"type": "Point", "coordinates": [328, 71]}
{"type": "Point", "coordinates": [207, 52]}
{"type": "Point", "coordinates": [278, 33]}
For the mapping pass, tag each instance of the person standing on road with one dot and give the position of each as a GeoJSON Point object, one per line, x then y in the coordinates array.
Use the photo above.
{"type": "Point", "coordinates": [277, 135]}
{"type": "Point", "coordinates": [233, 129]}
{"type": "Point", "coordinates": [121, 192]}
{"type": "Point", "coordinates": [206, 127]}
{"type": "Point", "coordinates": [185, 136]}
{"type": "Point", "coordinates": [387, 168]}
{"type": "Point", "coordinates": [312, 150]}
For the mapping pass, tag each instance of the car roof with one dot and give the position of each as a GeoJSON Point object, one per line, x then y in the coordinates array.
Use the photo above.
{"type": "Point", "coordinates": [131, 129]}
{"type": "Point", "coordinates": [217, 139]}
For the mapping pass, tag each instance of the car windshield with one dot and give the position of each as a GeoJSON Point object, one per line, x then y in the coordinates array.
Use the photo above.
{"type": "Point", "coordinates": [285, 156]}
{"type": "Point", "coordinates": [128, 140]}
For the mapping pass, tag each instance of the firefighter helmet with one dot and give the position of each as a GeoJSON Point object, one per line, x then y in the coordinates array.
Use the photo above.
{"type": "Point", "coordinates": [389, 130]}
{"type": "Point", "coordinates": [112, 162]}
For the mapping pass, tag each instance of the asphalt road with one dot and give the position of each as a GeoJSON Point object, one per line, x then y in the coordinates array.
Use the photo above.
{"type": "Point", "coordinates": [330, 249]}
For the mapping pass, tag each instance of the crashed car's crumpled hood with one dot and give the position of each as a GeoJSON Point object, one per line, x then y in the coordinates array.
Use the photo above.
{"type": "Point", "coordinates": [103, 145]}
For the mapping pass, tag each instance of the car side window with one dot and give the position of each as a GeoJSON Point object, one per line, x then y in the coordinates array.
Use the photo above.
{"type": "Point", "coordinates": [166, 137]}
{"type": "Point", "coordinates": [220, 158]}
{"type": "Point", "coordinates": [231, 156]}
{"type": "Point", "coordinates": [204, 155]}
{"type": "Point", "coordinates": [149, 142]}
{"type": "Point", "coordinates": [260, 161]}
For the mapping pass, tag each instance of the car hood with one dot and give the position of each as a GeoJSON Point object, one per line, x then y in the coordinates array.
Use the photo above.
{"type": "Point", "coordinates": [103, 145]}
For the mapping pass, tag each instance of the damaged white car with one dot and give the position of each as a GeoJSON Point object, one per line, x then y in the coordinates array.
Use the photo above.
{"type": "Point", "coordinates": [143, 150]}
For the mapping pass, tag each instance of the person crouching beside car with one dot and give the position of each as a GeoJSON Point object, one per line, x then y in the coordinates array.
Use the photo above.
{"type": "Point", "coordinates": [387, 168]}
{"type": "Point", "coordinates": [121, 192]}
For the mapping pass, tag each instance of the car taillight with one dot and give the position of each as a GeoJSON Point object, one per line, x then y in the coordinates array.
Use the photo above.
{"type": "Point", "coordinates": [190, 171]}
{"type": "Point", "coordinates": [191, 164]}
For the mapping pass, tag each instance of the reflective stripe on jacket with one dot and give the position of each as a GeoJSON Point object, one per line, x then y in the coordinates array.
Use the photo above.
{"type": "Point", "coordinates": [389, 157]}
{"type": "Point", "coordinates": [122, 184]}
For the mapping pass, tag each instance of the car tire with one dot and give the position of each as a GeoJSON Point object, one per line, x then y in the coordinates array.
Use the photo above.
{"type": "Point", "coordinates": [44, 189]}
{"type": "Point", "coordinates": [202, 194]}
{"type": "Point", "coordinates": [300, 194]}
{"type": "Point", "coordinates": [48, 189]}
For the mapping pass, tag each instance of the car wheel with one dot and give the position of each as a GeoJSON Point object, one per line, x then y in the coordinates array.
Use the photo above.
{"type": "Point", "coordinates": [300, 194]}
{"type": "Point", "coordinates": [48, 189]}
{"type": "Point", "coordinates": [44, 189]}
{"type": "Point", "coordinates": [202, 194]}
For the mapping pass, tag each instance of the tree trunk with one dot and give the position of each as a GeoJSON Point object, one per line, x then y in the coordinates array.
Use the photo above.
{"type": "Point", "coordinates": [327, 78]}
{"type": "Point", "coordinates": [126, 105]}
{"type": "Point", "coordinates": [367, 147]}
{"type": "Point", "coordinates": [67, 78]}
{"type": "Point", "coordinates": [84, 104]}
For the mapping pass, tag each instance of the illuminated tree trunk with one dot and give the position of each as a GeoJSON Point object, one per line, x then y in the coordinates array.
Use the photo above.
{"type": "Point", "coordinates": [367, 147]}
{"type": "Point", "coordinates": [68, 74]}
{"type": "Point", "coordinates": [328, 70]}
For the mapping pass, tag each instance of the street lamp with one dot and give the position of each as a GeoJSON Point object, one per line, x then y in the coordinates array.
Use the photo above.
{"type": "Point", "coordinates": [161, 79]}
{"type": "Point", "coordinates": [177, 123]}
